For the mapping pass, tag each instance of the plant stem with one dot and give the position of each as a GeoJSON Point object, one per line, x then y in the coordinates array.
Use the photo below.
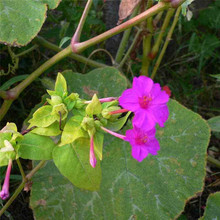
{"type": "Point", "coordinates": [21, 169]}
{"type": "Point", "coordinates": [21, 186]}
{"type": "Point", "coordinates": [157, 19]}
{"type": "Point", "coordinates": [27, 51]}
{"type": "Point", "coordinates": [4, 108]}
{"type": "Point", "coordinates": [130, 49]}
{"type": "Point", "coordinates": [3, 94]}
{"type": "Point", "coordinates": [76, 36]}
{"type": "Point", "coordinates": [213, 161]}
{"type": "Point", "coordinates": [147, 43]}
{"type": "Point", "coordinates": [166, 22]}
{"type": "Point", "coordinates": [124, 40]}
{"type": "Point", "coordinates": [168, 38]}
{"type": "Point", "coordinates": [47, 44]}
{"type": "Point", "coordinates": [79, 47]}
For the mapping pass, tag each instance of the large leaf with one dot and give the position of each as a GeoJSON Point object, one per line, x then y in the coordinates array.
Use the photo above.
{"type": "Point", "coordinates": [214, 123]}
{"type": "Point", "coordinates": [212, 210]}
{"type": "Point", "coordinates": [104, 82]}
{"type": "Point", "coordinates": [156, 188]}
{"type": "Point", "coordinates": [36, 147]}
{"type": "Point", "coordinates": [72, 160]}
{"type": "Point", "coordinates": [21, 20]}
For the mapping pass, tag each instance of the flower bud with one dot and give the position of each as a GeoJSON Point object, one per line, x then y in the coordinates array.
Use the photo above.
{"type": "Point", "coordinates": [87, 123]}
{"type": "Point", "coordinates": [105, 112]}
{"type": "Point", "coordinates": [55, 100]}
{"type": "Point", "coordinates": [60, 109]}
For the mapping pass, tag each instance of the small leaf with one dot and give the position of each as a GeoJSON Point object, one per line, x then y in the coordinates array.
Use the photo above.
{"type": "Point", "coordinates": [64, 40]}
{"type": "Point", "coordinates": [36, 147]}
{"type": "Point", "coordinates": [94, 107]}
{"type": "Point", "coordinates": [214, 123]}
{"type": "Point", "coordinates": [72, 160]}
{"type": "Point", "coordinates": [126, 8]}
{"type": "Point", "coordinates": [51, 130]}
{"type": "Point", "coordinates": [12, 81]}
{"type": "Point", "coordinates": [60, 85]}
{"type": "Point", "coordinates": [72, 130]}
{"type": "Point", "coordinates": [98, 144]}
{"type": "Point", "coordinates": [217, 76]}
{"type": "Point", "coordinates": [42, 117]}
{"type": "Point", "coordinates": [118, 124]}
{"type": "Point", "coordinates": [212, 210]}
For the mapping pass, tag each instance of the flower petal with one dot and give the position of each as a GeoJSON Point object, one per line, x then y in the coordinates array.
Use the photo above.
{"type": "Point", "coordinates": [142, 85]}
{"type": "Point", "coordinates": [139, 153]}
{"type": "Point", "coordinates": [161, 98]}
{"type": "Point", "coordinates": [129, 100]}
{"type": "Point", "coordinates": [144, 119]}
{"type": "Point", "coordinates": [160, 114]}
{"type": "Point", "coordinates": [153, 146]}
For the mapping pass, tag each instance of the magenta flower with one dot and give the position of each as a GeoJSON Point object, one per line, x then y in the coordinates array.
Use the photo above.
{"type": "Point", "coordinates": [147, 101]}
{"type": "Point", "coordinates": [143, 142]}
{"type": "Point", "coordinates": [92, 158]}
{"type": "Point", "coordinates": [4, 194]}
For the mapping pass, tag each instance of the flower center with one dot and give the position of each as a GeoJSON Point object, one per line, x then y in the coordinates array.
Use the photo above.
{"type": "Point", "coordinates": [139, 140]}
{"type": "Point", "coordinates": [144, 101]}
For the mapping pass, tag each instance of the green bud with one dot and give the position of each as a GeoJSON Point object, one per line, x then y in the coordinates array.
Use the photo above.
{"type": "Point", "coordinates": [60, 108]}
{"type": "Point", "coordinates": [98, 124]}
{"type": "Point", "coordinates": [105, 113]}
{"type": "Point", "coordinates": [55, 100]}
{"type": "Point", "coordinates": [79, 104]}
{"type": "Point", "coordinates": [70, 100]}
{"type": "Point", "coordinates": [104, 121]}
{"type": "Point", "coordinates": [87, 123]}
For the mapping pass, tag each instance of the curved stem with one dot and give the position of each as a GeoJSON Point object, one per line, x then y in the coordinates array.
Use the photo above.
{"type": "Point", "coordinates": [124, 39]}
{"type": "Point", "coordinates": [130, 49]}
{"type": "Point", "coordinates": [21, 169]}
{"type": "Point", "coordinates": [21, 186]}
{"type": "Point", "coordinates": [76, 36]}
{"type": "Point", "coordinates": [166, 22]}
{"type": "Point", "coordinates": [168, 38]}
{"type": "Point", "coordinates": [4, 108]}
{"type": "Point", "coordinates": [41, 41]}
{"type": "Point", "coordinates": [79, 47]}
{"type": "Point", "coordinates": [213, 161]}
{"type": "Point", "coordinates": [27, 51]}
{"type": "Point", "coordinates": [147, 43]}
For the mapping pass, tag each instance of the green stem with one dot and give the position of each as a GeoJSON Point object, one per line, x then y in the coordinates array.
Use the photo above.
{"type": "Point", "coordinates": [4, 108]}
{"type": "Point", "coordinates": [3, 94]}
{"type": "Point", "coordinates": [168, 38]}
{"type": "Point", "coordinates": [27, 51]}
{"type": "Point", "coordinates": [124, 39]}
{"type": "Point", "coordinates": [147, 43]}
{"type": "Point", "coordinates": [21, 169]}
{"type": "Point", "coordinates": [79, 47]}
{"type": "Point", "coordinates": [157, 19]}
{"type": "Point", "coordinates": [21, 186]}
{"type": "Point", "coordinates": [213, 161]}
{"type": "Point", "coordinates": [41, 41]}
{"type": "Point", "coordinates": [56, 58]}
{"type": "Point", "coordinates": [76, 36]}
{"type": "Point", "coordinates": [159, 39]}
{"type": "Point", "coordinates": [130, 49]}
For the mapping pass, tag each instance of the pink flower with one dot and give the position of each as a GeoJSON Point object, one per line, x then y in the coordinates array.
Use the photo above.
{"type": "Point", "coordinates": [4, 194]}
{"type": "Point", "coordinates": [143, 142]}
{"type": "Point", "coordinates": [147, 101]}
{"type": "Point", "coordinates": [92, 158]}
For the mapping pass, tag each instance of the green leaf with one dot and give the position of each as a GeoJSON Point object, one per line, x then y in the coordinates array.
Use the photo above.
{"type": "Point", "coordinates": [36, 147]}
{"type": "Point", "coordinates": [98, 144]}
{"type": "Point", "coordinates": [51, 130]}
{"type": "Point", "coordinates": [5, 156]}
{"type": "Point", "coordinates": [72, 160]}
{"type": "Point", "coordinates": [64, 40]}
{"type": "Point", "coordinates": [212, 210]}
{"type": "Point", "coordinates": [214, 123]}
{"type": "Point", "coordinates": [12, 81]}
{"type": "Point", "coordinates": [42, 117]}
{"type": "Point", "coordinates": [118, 124]}
{"type": "Point", "coordinates": [217, 76]}
{"type": "Point", "coordinates": [72, 131]}
{"type": "Point", "coordinates": [94, 107]}
{"type": "Point", "coordinates": [104, 82]}
{"type": "Point", "coordinates": [22, 20]}
{"type": "Point", "coordinates": [60, 85]}
{"type": "Point", "coordinates": [156, 188]}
